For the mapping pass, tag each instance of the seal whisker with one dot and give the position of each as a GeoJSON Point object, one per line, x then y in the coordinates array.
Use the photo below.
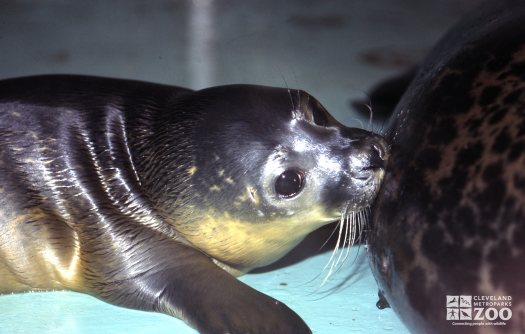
{"type": "Point", "coordinates": [351, 227]}
{"type": "Point", "coordinates": [371, 115]}
{"type": "Point", "coordinates": [354, 222]}
{"type": "Point", "coordinates": [288, 90]}
{"type": "Point", "coordinates": [346, 240]}
{"type": "Point", "coordinates": [291, 98]}
{"type": "Point", "coordinates": [330, 236]}
{"type": "Point", "coordinates": [360, 223]}
{"type": "Point", "coordinates": [337, 227]}
{"type": "Point", "coordinates": [298, 97]}
{"type": "Point", "coordinates": [363, 217]}
{"type": "Point", "coordinates": [335, 264]}
{"type": "Point", "coordinates": [336, 248]}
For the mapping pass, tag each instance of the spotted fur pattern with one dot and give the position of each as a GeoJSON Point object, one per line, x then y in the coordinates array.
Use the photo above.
{"type": "Point", "coordinates": [450, 218]}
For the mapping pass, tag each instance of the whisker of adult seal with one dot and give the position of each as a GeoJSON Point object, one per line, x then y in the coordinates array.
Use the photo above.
{"type": "Point", "coordinates": [153, 197]}
{"type": "Point", "coordinates": [448, 240]}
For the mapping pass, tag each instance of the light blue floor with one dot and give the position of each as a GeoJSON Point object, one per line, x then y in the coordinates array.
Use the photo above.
{"type": "Point", "coordinates": [346, 304]}
{"type": "Point", "coordinates": [333, 49]}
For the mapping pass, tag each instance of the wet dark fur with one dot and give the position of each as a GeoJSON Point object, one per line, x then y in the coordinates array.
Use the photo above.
{"type": "Point", "coordinates": [129, 255]}
{"type": "Point", "coordinates": [136, 193]}
{"type": "Point", "coordinates": [450, 216]}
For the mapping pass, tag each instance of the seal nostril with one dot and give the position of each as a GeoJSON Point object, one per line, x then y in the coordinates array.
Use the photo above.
{"type": "Point", "coordinates": [379, 150]}
{"type": "Point", "coordinates": [377, 157]}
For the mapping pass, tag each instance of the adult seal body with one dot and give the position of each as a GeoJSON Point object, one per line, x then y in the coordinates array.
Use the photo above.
{"type": "Point", "coordinates": [150, 196]}
{"type": "Point", "coordinates": [449, 219]}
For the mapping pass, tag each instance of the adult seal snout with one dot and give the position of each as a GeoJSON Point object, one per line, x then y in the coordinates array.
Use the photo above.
{"type": "Point", "coordinates": [149, 196]}
{"type": "Point", "coordinates": [448, 239]}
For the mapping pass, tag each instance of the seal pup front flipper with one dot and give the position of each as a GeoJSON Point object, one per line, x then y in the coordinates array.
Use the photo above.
{"type": "Point", "coordinates": [194, 289]}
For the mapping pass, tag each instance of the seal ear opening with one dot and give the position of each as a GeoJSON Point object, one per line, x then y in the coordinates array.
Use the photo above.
{"type": "Point", "coordinates": [319, 116]}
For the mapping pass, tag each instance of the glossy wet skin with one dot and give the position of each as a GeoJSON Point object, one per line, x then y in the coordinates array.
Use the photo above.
{"type": "Point", "coordinates": [139, 193]}
{"type": "Point", "coordinates": [449, 219]}
{"type": "Point", "coordinates": [246, 221]}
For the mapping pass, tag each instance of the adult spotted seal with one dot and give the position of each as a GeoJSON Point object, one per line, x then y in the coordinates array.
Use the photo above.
{"type": "Point", "coordinates": [149, 196]}
{"type": "Point", "coordinates": [447, 244]}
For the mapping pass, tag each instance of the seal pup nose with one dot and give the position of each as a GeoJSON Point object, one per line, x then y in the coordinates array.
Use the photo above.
{"type": "Point", "coordinates": [378, 154]}
{"type": "Point", "coordinates": [370, 159]}
{"type": "Point", "coordinates": [374, 153]}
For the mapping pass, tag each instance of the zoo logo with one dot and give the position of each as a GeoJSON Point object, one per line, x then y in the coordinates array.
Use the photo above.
{"type": "Point", "coordinates": [474, 309]}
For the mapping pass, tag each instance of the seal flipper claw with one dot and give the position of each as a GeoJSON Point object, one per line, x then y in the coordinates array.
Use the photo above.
{"type": "Point", "coordinates": [382, 303]}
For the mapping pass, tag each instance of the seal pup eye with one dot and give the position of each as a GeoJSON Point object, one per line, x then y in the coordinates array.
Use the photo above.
{"type": "Point", "coordinates": [289, 183]}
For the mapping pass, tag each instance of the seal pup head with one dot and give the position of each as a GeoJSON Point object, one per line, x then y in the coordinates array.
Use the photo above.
{"type": "Point", "coordinates": [268, 166]}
